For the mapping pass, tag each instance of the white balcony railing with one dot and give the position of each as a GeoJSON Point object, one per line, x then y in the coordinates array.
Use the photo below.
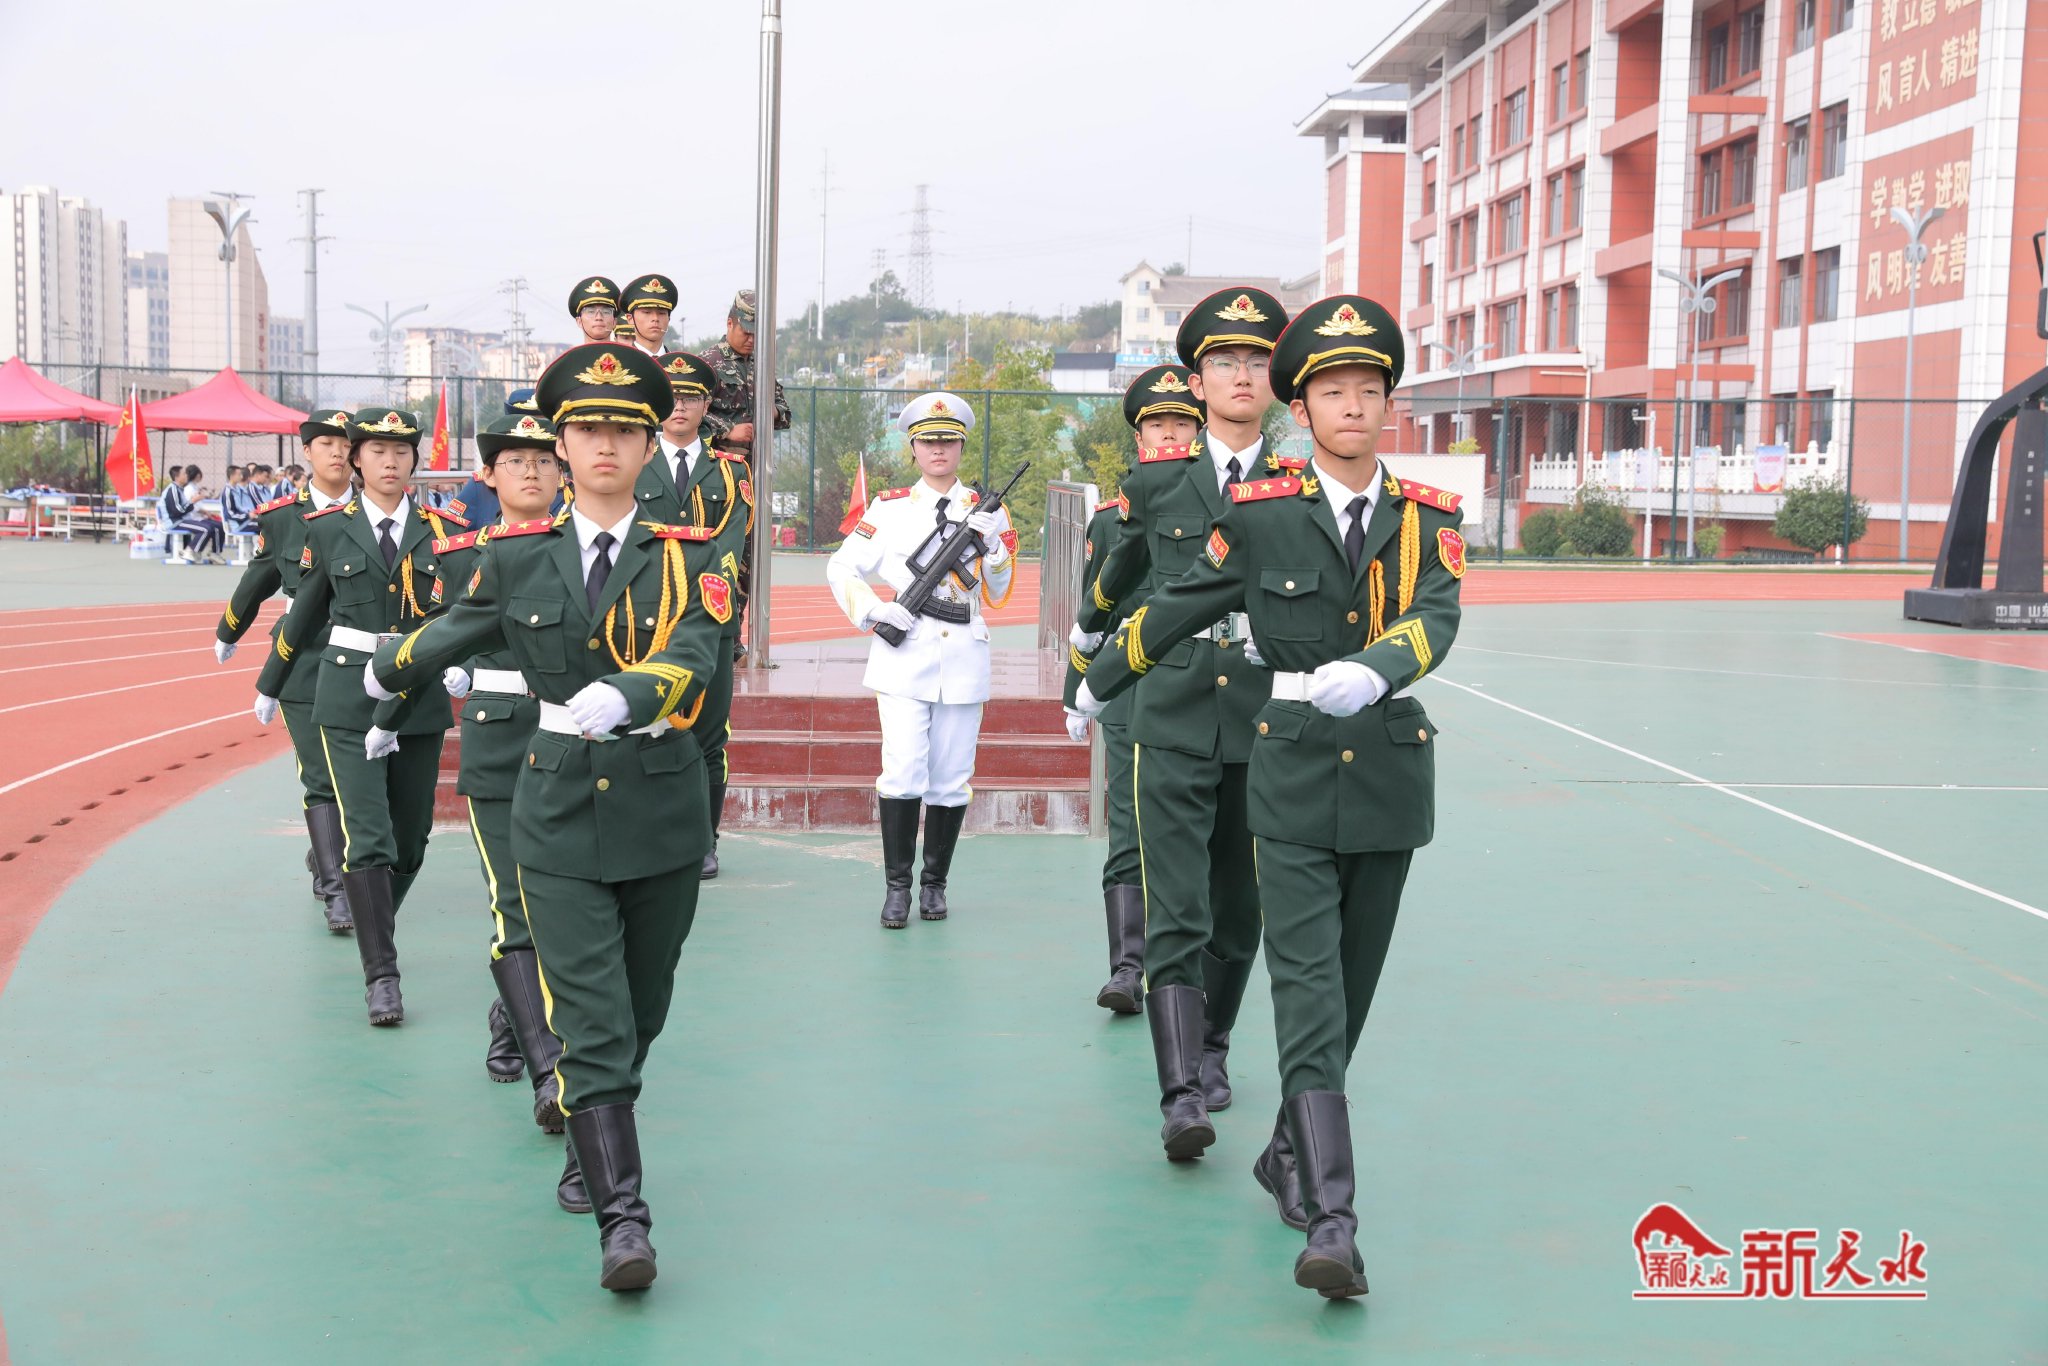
{"type": "Point", "coordinates": [1629, 471]}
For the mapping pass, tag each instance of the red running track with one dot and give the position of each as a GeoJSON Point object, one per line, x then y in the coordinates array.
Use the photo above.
{"type": "Point", "coordinates": [113, 714]}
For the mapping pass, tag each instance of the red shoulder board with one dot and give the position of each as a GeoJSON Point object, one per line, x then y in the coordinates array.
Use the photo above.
{"type": "Point", "coordinates": [1292, 463]}
{"type": "Point", "coordinates": [1112, 503]}
{"type": "Point", "coordinates": [1149, 454]}
{"type": "Point", "coordinates": [532, 528]}
{"type": "Point", "coordinates": [683, 533]}
{"type": "Point", "coordinates": [462, 542]}
{"type": "Point", "coordinates": [886, 494]}
{"type": "Point", "coordinates": [331, 507]}
{"type": "Point", "coordinates": [445, 515]}
{"type": "Point", "coordinates": [276, 503]}
{"type": "Point", "coordinates": [1258, 490]}
{"type": "Point", "coordinates": [1423, 493]}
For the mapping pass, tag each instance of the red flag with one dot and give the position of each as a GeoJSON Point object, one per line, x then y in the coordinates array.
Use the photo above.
{"type": "Point", "coordinates": [128, 468]}
{"type": "Point", "coordinates": [859, 502]}
{"type": "Point", "coordinates": [440, 446]}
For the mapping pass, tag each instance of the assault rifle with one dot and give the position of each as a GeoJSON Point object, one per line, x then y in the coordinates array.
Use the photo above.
{"type": "Point", "coordinates": [945, 552]}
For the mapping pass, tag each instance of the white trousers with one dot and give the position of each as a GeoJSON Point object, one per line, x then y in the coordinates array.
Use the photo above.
{"type": "Point", "coordinates": [927, 749]}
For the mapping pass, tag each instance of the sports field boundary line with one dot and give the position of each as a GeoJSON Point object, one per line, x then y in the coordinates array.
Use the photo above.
{"type": "Point", "coordinates": [19, 783]}
{"type": "Point", "coordinates": [1727, 791]}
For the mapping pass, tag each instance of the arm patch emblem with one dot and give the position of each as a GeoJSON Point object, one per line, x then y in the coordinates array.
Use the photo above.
{"type": "Point", "coordinates": [1450, 548]}
{"type": "Point", "coordinates": [1218, 547]}
{"type": "Point", "coordinates": [717, 593]}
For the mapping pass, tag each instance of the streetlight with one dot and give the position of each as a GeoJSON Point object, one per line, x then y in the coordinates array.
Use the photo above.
{"type": "Point", "coordinates": [1915, 222]}
{"type": "Point", "coordinates": [386, 330]}
{"type": "Point", "coordinates": [1464, 363]}
{"type": "Point", "coordinates": [228, 217]}
{"type": "Point", "coordinates": [1699, 302]}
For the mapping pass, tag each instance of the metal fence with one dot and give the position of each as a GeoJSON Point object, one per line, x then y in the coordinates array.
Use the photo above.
{"type": "Point", "coordinates": [1789, 480]}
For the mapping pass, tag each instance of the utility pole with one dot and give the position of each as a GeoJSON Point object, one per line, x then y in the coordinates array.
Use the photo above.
{"type": "Point", "coordinates": [878, 263]}
{"type": "Point", "coordinates": [516, 287]}
{"type": "Point", "coordinates": [312, 239]}
{"type": "Point", "coordinates": [768, 196]}
{"type": "Point", "coordinates": [824, 198]}
{"type": "Point", "coordinates": [921, 251]}
{"type": "Point", "coordinates": [1916, 223]}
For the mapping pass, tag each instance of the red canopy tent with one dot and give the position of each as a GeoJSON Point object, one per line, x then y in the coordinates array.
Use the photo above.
{"type": "Point", "coordinates": [224, 403]}
{"type": "Point", "coordinates": [26, 396]}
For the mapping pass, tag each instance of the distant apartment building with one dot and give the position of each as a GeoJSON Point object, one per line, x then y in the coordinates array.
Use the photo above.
{"type": "Point", "coordinates": [65, 302]}
{"type": "Point", "coordinates": [288, 345]}
{"type": "Point", "coordinates": [1364, 131]}
{"type": "Point", "coordinates": [440, 351]}
{"type": "Point", "coordinates": [1155, 302]}
{"type": "Point", "coordinates": [198, 282]}
{"type": "Point", "coordinates": [1561, 154]}
{"type": "Point", "coordinates": [149, 309]}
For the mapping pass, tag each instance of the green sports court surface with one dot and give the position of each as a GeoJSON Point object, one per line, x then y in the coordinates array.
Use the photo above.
{"type": "Point", "coordinates": [1726, 910]}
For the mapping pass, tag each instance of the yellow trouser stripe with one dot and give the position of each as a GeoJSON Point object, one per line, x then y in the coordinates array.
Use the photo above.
{"type": "Point", "coordinates": [490, 877]}
{"type": "Point", "coordinates": [347, 865]}
{"type": "Point", "coordinates": [1144, 890]}
{"type": "Point", "coordinates": [547, 998]}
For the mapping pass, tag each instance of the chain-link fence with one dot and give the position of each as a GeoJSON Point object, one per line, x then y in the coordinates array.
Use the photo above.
{"type": "Point", "coordinates": [1779, 480]}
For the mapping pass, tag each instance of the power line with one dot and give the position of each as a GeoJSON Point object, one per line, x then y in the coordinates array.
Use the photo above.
{"type": "Point", "coordinates": [312, 239]}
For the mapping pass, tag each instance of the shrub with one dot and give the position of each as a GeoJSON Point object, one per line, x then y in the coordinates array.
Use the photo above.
{"type": "Point", "coordinates": [1707, 540]}
{"type": "Point", "coordinates": [1812, 515]}
{"type": "Point", "coordinates": [1544, 533]}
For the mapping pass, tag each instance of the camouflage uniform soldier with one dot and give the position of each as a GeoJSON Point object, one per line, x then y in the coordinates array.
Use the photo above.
{"type": "Point", "coordinates": [730, 422]}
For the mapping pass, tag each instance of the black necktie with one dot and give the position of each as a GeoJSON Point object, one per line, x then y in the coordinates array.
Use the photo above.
{"type": "Point", "coordinates": [1233, 473]}
{"type": "Point", "coordinates": [1354, 537]}
{"type": "Point", "coordinates": [942, 511]}
{"type": "Point", "coordinates": [384, 542]}
{"type": "Point", "coordinates": [600, 568]}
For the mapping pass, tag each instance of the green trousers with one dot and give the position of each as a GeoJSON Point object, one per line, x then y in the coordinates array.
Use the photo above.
{"type": "Point", "coordinates": [1329, 918]}
{"type": "Point", "coordinates": [387, 805]}
{"type": "Point", "coordinates": [312, 760]}
{"type": "Point", "coordinates": [714, 724]}
{"type": "Point", "coordinates": [607, 953]}
{"type": "Point", "coordinates": [1119, 805]}
{"type": "Point", "coordinates": [1196, 864]}
{"type": "Point", "coordinates": [490, 824]}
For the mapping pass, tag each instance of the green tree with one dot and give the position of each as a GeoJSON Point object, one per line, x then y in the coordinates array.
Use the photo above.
{"type": "Point", "coordinates": [1545, 533]}
{"type": "Point", "coordinates": [850, 423]}
{"type": "Point", "coordinates": [1813, 516]}
{"type": "Point", "coordinates": [36, 454]}
{"type": "Point", "coordinates": [1098, 320]}
{"type": "Point", "coordinates": [1025, 428]}
{"type": "Point", "coordinates": [1104, 446]}
{"type": "Point", "coordinates": [1600, 525]}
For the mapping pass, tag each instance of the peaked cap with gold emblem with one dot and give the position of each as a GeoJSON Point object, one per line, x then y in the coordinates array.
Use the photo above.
{"type": "Point", "coordinates": [649, 291]}
{"type": "Point", "coordinates": [1162, 389]}
{"type": "Point", "coordinates": [593, 289]}
{"type": "Point", "coordinates": [1344, 329]}
{"type": "Point", "coordinates": [937, 414]}
{"type": "Point", "coordinates": [324, 422]}
{"type": "Point", "coordinates": [604, 382]}
{"type": "Point", "coordinates": [1230, 317]}
{"type": "Point", "coordinates": [520, 401]}
{"type": "Point", "coordinates": [688, 374]}
{"type": "Point", "coordinates": [384, 424]}
{"type": "Point", "coordinates": [522, 431]}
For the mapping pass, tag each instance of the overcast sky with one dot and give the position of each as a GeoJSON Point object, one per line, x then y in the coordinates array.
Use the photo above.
{"type": "Point", "coordinates": [462, 145]}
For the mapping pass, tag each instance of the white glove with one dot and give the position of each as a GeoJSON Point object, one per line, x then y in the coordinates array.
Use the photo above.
{"type": "Point", "coordinates": [1087, 642]}
{"type": "Point", "coordinates": [1077, 726]}
{"type": "Point", "coordinates": [379, 743]}
{"type": "Point", "coordinates": [990, 526]}
{"type": "Point", "coordinates": [1251, 650]}
{"type": "Point", "coordinates": [265, 709]}
{"type": "Point", "coordinates": [599, 710]}
{"type": "Point", "coordinates": [1086, 703]}
{"type": "Point", "coordinates": [1344, 687]}
{"type": "Point", "coordinates": [223, 651]}
{"type": "Point", "coordinates": [372, 686]}
{"type": "Point", "coordinates": [895, 613]}
{"type": "Point", "coordinates": [456, 681]}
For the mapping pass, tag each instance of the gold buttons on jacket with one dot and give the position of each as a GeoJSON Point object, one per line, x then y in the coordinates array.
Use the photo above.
{"type": "Point", "coordinates": [341, 659]}
{"type": "Point", "coordinates": [604, 784]}
{"type": "Point", "coordinates": [391, 588]}
{"type": "Point", "coordinates": [1262, 727]}
{"type": "Point", "coordinates": [1422, 734]}
{"type": "Point", "coordinates": [1290, 583]}
{"type": "Point", "coordinates": [479, 716]}
{"type": "Point", "coordinates": [1345, 756]}
{"type": "Point", "coordinates": [533, 620]}
{"type": "Point", "coordinates": [1351, 617]}
{"type": "Point", "coordinates": [591, 643]}
{"type": "Point", "coordinates": [530, 758]}
{"type": "Point", "coordinates": [1222, 681]}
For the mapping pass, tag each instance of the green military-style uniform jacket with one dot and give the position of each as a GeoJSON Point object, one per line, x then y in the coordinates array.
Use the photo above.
{"type": "Point", "coordinates": [719, 495]}
{"type": "Point", "coordinates": [1205, 694]}
{"type": "Point", "coordinates": [1102, 531]}
{"type": "Point", "coordinates": [653, 637]}
{"type": "Point", "coordinates": [1353, 784]}
{"type": "Point", "coordinates": [280, 541]}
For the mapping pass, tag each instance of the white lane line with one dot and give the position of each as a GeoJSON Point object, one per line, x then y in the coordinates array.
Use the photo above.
{"type": "Point", "coordinates": [1758, 802]}
{"type": "Point", "coordinates": [1809, 787]}
{"type": "Point", "coordinates": [1749, 673]}
{"type": "Point", "coordinates": [63, 614]}
{"type": "Point", "coordinates": [1940, 654]}
{"type": "Point", "coordinates": [242, 712]}
{"type": "Point", "coordinates": [109, 659]}
{"type": "Point", "coordinates": [132, 687]}
{"type": "Point", "coordinates": [86, 640]}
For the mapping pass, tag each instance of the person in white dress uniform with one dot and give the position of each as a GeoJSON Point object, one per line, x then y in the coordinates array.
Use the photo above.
{"type": "Point", "coordinates": [930, 688]}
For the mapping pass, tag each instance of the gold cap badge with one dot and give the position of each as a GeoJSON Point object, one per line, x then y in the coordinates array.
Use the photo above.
{"type": "Point", "coordinates": [1346, 322]}
{"type": "Point", "coordinates": [606, 370]}
{"type": "Point", "coordinates": [1241, 310]}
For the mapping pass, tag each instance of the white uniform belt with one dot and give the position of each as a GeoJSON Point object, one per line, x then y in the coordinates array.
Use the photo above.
{"type": "Point", "coordinates": [1294, 687]}
{"type": "Point", "coordinates": [498, 680]}
{"type": "Point", "coordinates": [359, 640]}
{"type": "Point", "coordinates": [1236, 626]}
{"type": "Point", "coordinates": [287, 603]}
{"type": "Point", "coordinates": [555, 717]}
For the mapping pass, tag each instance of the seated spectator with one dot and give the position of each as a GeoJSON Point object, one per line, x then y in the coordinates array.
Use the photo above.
{"type": "Point", "coordinates": [178, 513]}
{"type": "Point", "coordinates": [239, 500]}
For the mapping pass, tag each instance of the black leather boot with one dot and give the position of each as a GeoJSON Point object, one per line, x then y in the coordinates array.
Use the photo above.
{"type": "Point", "coordinates": [1124, 993]}
{"type": "Point", "coordinates": [401, 887]}
{"type": "Point", "coordinates": [323, 828]}
{"type": "Point", "coordinates": [941, 832]}
{"type": "Point", "coordinates": [570, 1192]}
{"type": "Point", "coordinates": [716, 793]}
{"type": "Point", "coordinates": [1321, 1128]}
{"type": "Point", "coordinates": [517, 973]}
{"type": "Point", "coordinates": [376, 915]}
{"type": "Point", "coordinates": [1223, 982]}
{"type": "Point", "coordinates": [1280, 1177]}
{"type": "Point", "coordinates": [899, 851]}
{"type": "Point", "coordinates": [502, 1060]}
{"type": "Point", "coordinates": [1176, 1016]}
{"type": "Point", "coordinates": [608, 1150]}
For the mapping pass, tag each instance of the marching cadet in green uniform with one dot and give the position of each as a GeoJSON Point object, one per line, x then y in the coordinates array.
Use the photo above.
{"type": "Point", "coordinates": [688, 484]}
{"type": "Point", "coordinates": [1163, 413]}
{"type": "Point", "coordinates": [649, 301]}
{"type": "Point", "coordinates": [367, 571]}
{"type": "Point", "coordinates": [1192, 724]}
{"type": "Point", "coordinates": [731, 420]}
{"type": "Point", "coordinates": [614, 623]}
{"type": "Point", "coordinates": [280, 539]}
{"type": "Point", "coordinates": [594, 304]}
{"type": "Point", "coordinates": [1351, 578]}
